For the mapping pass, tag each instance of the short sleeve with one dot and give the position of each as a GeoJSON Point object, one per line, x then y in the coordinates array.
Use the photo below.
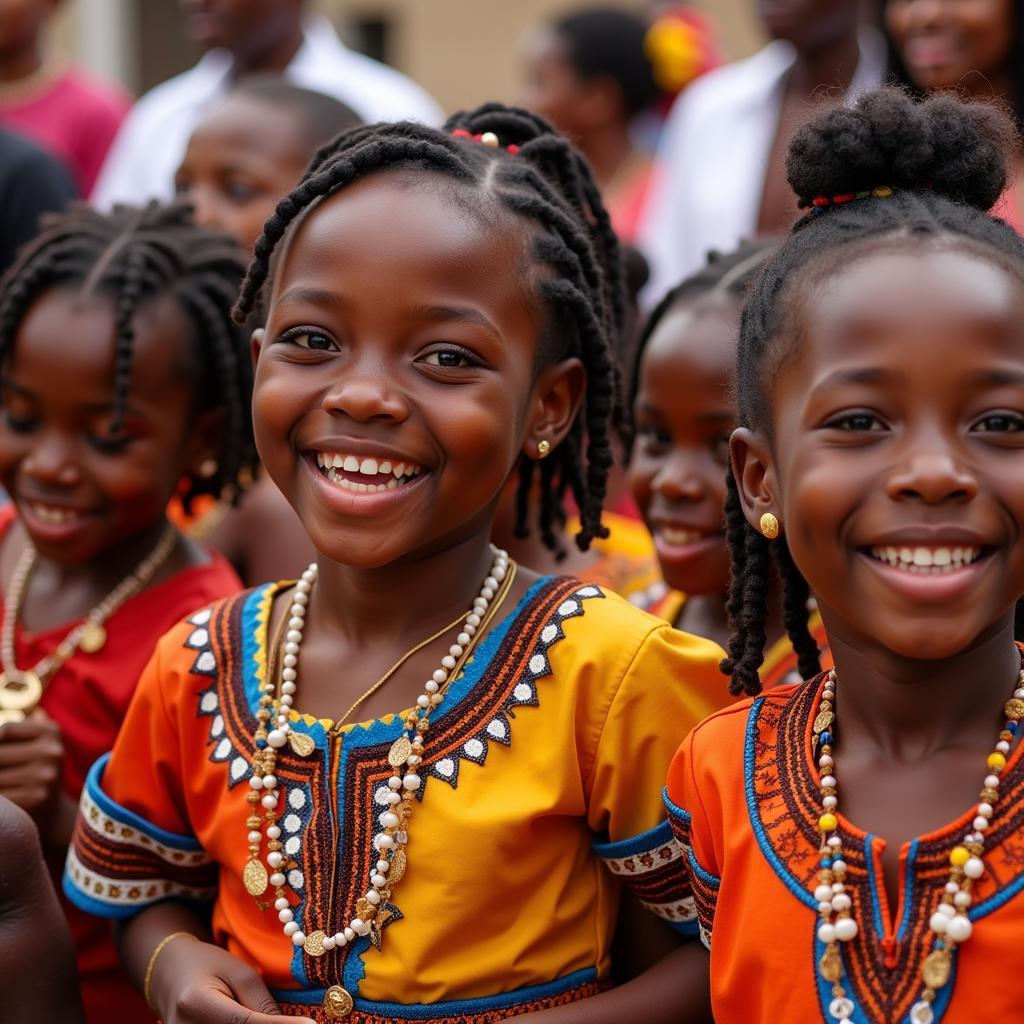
{"type": "Point", "coordinates": [692, 834]}
{"type": "Point", "coordinates": [671, 684]}
{"type": "Point", "coordinates": [132, 845]}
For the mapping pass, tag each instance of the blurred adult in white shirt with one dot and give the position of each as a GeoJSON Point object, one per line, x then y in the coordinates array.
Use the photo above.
{"type": "Point", "coordinates": [242, 37]}
{"type": "Point", "coordinates": [720, 175]}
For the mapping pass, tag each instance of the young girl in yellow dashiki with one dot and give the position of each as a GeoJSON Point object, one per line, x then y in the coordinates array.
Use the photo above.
{"type": "Point", "coordinates": [439, 314]}
{"type": "Point", "coordinates": [683, 414]}
{"type": "Point", "coordinates": [855, 842]}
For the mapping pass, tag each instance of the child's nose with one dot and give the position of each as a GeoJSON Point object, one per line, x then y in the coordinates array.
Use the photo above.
{"type": "Point", "coordinates": [366, 394]}
{"type": "Point", "coordinates": [53, 461]}
{"type": "Point", "coordinates": [932, 476]}
{"type": "Point", "coordinates": [680, 480]}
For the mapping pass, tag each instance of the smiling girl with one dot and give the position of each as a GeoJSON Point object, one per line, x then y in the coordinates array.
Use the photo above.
{"type": "Point", "coordinates": [123, 383]}
{"type": "Point", "coordinates": [409, 784]}
{"type": "Point", "coordinates": [683, 415]}
{"type": "Point", "coordinates": [872, 816]}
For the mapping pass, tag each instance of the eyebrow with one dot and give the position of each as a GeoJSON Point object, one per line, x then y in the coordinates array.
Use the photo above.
{"type": "Point", "coordinates": [90, 407]}
{"type": "Point", "coordinates": [994, 378]}
{"type": "Point", "coordinates": [858, 375]}
{"type": "Point", "coordinates": [456, 315]}
{"type": "Point", "coordinates": [314, 296]}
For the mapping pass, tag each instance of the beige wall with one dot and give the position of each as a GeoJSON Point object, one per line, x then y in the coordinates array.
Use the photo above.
{"type": "Point", "coordinates": [462, 51]}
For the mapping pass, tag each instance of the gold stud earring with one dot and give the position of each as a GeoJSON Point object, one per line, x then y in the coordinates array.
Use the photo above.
{"type": "Point", "coordinates": [543, 447]}
{"type": "Point", "coordinates": [769, 526]}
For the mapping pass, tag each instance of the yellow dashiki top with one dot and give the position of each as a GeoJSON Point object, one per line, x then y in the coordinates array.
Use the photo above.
{"type": "Point", "coordinates": [542, 768]}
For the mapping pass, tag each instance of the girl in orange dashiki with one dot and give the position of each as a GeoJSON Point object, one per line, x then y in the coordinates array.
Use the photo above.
{"type": "Point", "coordinates": [460, 860]}
{"type": "Point", "coordinates": [855, 843]}
{"type": "Point", "coordinates": [683, 414]}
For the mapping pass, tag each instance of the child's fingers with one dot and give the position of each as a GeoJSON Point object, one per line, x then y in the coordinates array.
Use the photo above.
{"type": "Point", "coordinates": [27, 729]}
{"type": "Point", "coordinates": [212, 1006]}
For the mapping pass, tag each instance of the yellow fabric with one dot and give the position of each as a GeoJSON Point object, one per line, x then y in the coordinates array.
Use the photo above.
{"type": "Point", "coordinates": [628, 563]}
{"type": "Point", "coordinates": [503, 890]}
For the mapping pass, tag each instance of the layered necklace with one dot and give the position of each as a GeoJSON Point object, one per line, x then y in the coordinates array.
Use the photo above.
{"type": "Point", "coordinates": [274, 732]}
{"type": "Point", "coordinates": [949, 923]}
{"type": "Point", "coordinates": [22, 689]}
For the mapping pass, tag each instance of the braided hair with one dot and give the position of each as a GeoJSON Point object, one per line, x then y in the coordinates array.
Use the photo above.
{"type": "Point", "coordinates": [945, 161]}
{"type": "Point", "coordinates": [134, 255]}
{"type": "Point", "coordinates": [538, 176]}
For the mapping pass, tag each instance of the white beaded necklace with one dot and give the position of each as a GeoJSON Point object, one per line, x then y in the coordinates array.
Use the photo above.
{"type": "Point", "coordinates": [950, 923]}
{"type": "Point", "coordinates": [405, 756]}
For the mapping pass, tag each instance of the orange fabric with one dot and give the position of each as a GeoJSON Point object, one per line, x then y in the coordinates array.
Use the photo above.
{"type": "Point", "coordinates": [743, 799]}
{"type": "Point", "coordinates": [88, 699]}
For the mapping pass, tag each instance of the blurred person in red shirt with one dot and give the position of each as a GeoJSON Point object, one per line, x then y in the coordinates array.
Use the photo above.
{"type": "Point", "coordinates": [66, 111]}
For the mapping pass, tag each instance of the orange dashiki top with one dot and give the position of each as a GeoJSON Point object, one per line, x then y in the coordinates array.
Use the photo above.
{"type": "Point", "coordinates": [779, 660]}
{"type": "Point", "coordinates": [743, 799]}
{"type": "Point", "coordinates": [542, 775]}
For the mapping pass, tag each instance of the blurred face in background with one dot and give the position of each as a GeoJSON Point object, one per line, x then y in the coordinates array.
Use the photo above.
{"type": "Point", "coordinates": [810, 25]}
{"type": "Point", "coordinates": [242, 26]}
{"type": "Point", "coordinates": [555, 89]}
{"type": "Point", "coordinates": [244, 155]}
{"type": "Point", "coordinates": [945, 44]}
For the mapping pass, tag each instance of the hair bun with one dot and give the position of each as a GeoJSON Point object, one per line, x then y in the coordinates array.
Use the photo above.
{"type": "Point", "coordinates": [956, 149]}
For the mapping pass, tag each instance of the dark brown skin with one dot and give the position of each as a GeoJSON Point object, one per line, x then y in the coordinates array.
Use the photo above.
{"type": "Point", "coordinates": [899, 418]}
{"type": "Point", "coordinates": [441, 373]}
{"type": "Point", "coordinates": [824, 35]}
{"type": "Point", "coordinates": [32, 931]}
{"type": "Point", "coordinates": [21, 28]}
{"type": "Point", "coordinates": [684, 416]}
{"type": "Point", "coordinates": [262, 35]}
{"type": "Point", "coordinates": [243, 156]}
{"type": "Point", "coordinates": [57, 449]}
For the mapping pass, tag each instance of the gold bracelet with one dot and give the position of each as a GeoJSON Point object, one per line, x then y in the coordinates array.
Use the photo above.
{"type": "Point", "coordinates": [152, 963]}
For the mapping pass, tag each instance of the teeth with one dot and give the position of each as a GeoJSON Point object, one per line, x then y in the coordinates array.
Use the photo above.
{"type": "Point", "coordinates": [671, 535]}
{"type": "Point", "coordinates": [927, 560]}
{"type": "Point", "coordinates": [393, 472]}
{"type": "Point", "coordinates": [53, 515]}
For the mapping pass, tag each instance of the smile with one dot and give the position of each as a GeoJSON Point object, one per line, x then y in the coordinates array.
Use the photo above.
{"type": "Point", "coordinates": [679, 536]}
{"type": "Point", "coordinates": [364, 474]}
{"type": "Point", "coordinates": [54, 515]}
{"type": "Point", "coordinates": [927, 561]}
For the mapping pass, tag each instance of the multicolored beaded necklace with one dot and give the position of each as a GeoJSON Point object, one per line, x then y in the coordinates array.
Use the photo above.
{"type": "Point", "coordinates": [950, 923]}
{"type": "Point", "coordinates": [274, 731]}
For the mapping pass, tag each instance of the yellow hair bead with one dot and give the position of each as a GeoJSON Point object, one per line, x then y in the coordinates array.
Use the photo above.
{"type": "Point", "coordinates": [996, 760]}
{"type": "Point", "coordinates": [959, 856]}
{"type": "Point", "coordinates": [827, 823]}
{"type": "Point", "coordinates": [882, 192]}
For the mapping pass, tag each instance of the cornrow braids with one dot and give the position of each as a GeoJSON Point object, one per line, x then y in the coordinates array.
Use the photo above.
{"type": "Point", "coordinates": [536, 175]}
{"type": "Point", "coordinates": [134, 255]}
{"type": "Point", "coordinates": [901, 170]}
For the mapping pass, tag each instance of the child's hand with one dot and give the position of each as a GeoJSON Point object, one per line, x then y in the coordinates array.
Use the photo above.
{"type": "Point", "coordinates": [196, 982]}
{"type": "Point", "coordinates": [32, 764]}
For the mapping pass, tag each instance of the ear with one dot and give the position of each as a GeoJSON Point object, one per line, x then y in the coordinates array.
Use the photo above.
{"type": "Point", "coordinates": [557, 396]}
{"type": "Point", "coordinates": [756, 480]}
{"type": "Point", "coordinates": [256, 345]}
{"type": "Point", "coordinates": [204, 442]}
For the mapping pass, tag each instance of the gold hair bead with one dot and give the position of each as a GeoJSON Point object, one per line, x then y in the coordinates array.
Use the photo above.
{"type": "Point", "coordinates": [769, 526]}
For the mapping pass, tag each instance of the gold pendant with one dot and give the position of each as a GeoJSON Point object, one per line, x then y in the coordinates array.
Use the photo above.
{"type": "Point", "coordinates": [93, 639]}
{"type": "Point", "coordinates": [400, 751]}
{"type": "Point", "coordinates": [337, 1003]}
{"type": "Point", "coordinates": [255, 877]}
{"type": "Point", "coordinates": [11, 716]}
{"type": "Point", "coordinates": [936, 968]}
{"type": "Point", "coordinates": [301, 744]}
{"type": "Point", "coordinates": [823, 721]}
{"type": "Point", "coordinates": [831, 965]}
{"type": "Point", "coordinates": [397, 868]}
{"type": "Point", "coordinates": [1014, 708]}
{"type": "Point", "coordinates": [314, 944]}
{"type": "Point", "coordinates": [23, 696]}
